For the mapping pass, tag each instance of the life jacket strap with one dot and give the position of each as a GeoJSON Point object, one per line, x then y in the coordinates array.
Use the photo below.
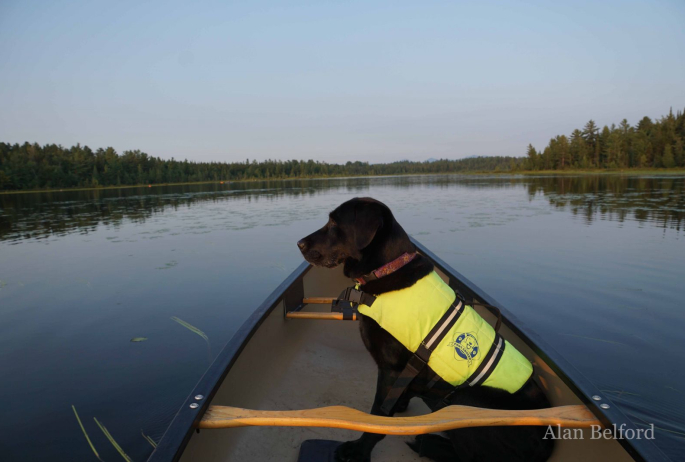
{"type": "Point", "coordinates": [434, 379]}
{"type": "Point", "coordinates": [356, 296]}
{"type": "Point", "coordinates": [418, 361]}
{"type": "Point", "coordinates": [348, 301]}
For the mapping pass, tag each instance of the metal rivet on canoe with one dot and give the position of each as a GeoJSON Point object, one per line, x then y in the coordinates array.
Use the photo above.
{"type": "Point", "coordinates": [604, 406]}
{"type": "Point", "coordinates": [199, 397]}
{"type": "Point", "coordinates": [597, 398]}
{"type": "Point", "coordinates": [194, 405]}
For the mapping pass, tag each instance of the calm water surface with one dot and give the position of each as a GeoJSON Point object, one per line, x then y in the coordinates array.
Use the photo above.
{"type": "Point", "coordinates": [595, 264]}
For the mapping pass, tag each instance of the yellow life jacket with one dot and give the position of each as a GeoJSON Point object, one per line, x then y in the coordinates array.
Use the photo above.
{"type": "Point", "coordinates": [465, 355]}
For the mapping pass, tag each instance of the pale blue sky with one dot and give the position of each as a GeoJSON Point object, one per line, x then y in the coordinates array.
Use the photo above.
{"type": "Point", "coordinates": [332, 80]}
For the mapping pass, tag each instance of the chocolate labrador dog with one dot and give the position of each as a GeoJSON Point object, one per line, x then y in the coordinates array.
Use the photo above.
{"type": "Point", "coordinates": [363, 235]}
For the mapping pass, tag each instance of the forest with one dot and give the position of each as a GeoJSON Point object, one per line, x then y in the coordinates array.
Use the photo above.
{"type": "Point", "coordinates": [31, 166]}
{"type": "Point", "coordinates": [649, 144]}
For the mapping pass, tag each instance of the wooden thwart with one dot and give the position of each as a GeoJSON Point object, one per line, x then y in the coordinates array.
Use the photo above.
{"type": "Point", "coordinates": [318, 300]}
{"type": "Point", "coordinates": [315, 315]}
{"type": "Point", "coordinates": [448, 418]}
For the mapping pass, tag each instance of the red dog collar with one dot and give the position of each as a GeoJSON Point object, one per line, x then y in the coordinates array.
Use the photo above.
{"type": "Point", "coordinates": [386, 269]}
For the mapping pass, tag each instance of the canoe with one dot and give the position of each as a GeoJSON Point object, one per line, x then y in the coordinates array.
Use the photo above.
{"type": "Point", "coordinates": [296, 372]}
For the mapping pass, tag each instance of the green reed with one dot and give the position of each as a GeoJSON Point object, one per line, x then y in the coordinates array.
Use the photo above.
{"type": "Point", "coordinates": [111, 440]}
{"type": "Point", "coordinates": [148, 439]}
{"type": "Point", "coordinates": [194, 329]}
{"type": "Point", "coordinates": [90, 443]}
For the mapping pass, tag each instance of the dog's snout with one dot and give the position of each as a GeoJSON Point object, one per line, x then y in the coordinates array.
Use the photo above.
{"type": "Point", "coordinates": [302, 244]}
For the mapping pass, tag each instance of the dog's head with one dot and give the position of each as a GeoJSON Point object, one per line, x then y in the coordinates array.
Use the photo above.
{"type": "Point", "coordinates": [348, 234]}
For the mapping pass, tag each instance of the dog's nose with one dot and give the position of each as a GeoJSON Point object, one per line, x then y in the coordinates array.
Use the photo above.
{"type": "Point", "coordinates": [302, 245]}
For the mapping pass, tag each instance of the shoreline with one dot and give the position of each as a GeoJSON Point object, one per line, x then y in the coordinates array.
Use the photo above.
{"type": "Point", "coordinates": [604, 171]}
{"type": "Point", "coordinates": [636, 171]}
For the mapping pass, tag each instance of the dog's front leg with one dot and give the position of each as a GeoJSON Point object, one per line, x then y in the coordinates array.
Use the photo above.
{"type": "Point", "coordinates": [359, 450]}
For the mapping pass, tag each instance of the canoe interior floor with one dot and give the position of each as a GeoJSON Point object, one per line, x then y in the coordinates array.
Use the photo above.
{"type": "Point", "coordinates": [324, 363]}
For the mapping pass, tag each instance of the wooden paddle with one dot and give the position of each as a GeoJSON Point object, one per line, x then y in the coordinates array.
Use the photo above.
{"type": "Point", "coordinates": [448, 418]}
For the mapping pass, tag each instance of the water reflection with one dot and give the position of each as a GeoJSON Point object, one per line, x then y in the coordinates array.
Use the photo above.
{"type": "Point", "coordinates": [658, 200]}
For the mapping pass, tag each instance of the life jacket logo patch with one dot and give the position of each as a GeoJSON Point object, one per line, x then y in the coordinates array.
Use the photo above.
{"type": "Point", "coordinates": [465, 347]}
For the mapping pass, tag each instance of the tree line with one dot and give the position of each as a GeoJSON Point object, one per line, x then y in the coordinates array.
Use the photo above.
{"type": "Point", "coordinates": [32, 166]}
{"type": "Point", "coordinates": [649, 144]}
{"type": "Point", "coordinates": [658, 144]}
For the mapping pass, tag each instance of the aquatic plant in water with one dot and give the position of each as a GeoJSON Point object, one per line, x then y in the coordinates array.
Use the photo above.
{"type": "Point", "coordinates": [194, 329]}
{"type": "Point", "coordinates": [190, 327]}
{"type": "Point", "coordinates": [90, 443]}
{"type": "Point", "coordinates": [111, 440]}
{"type": "Point", "coordinates": [148, 439]}
{"type": "Point", "coordinates": [169, 265]}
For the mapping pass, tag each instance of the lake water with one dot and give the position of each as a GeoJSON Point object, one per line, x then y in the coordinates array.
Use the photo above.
{"type": "Point", "coordinates": [595, 264]}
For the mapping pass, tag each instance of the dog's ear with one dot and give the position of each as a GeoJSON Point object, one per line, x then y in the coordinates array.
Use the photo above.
{"type": "Point", "coordinates": [368, 218]}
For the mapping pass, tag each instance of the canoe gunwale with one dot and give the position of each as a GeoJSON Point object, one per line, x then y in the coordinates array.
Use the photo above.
{"type": "Point", "coordinates": [291, 291]}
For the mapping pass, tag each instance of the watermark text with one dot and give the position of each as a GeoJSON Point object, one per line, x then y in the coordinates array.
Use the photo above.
{"type": "Point", "coordinates": [597, 432]}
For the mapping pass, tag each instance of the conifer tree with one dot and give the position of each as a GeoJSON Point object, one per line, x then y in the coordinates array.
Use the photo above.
{"type": "Point", "coordinates": [590, 133]}
{"type": "Point", "coordinates": [679, 152]}
{"type": "Point", "coordinates": [668, 160]}
{"type": "Point", "coordinates": [532, 159]}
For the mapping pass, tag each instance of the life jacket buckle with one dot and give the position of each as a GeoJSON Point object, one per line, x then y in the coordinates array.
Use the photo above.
{"type": "Point", "coordinates": [355, 296]}
{"type": "Point", "coordinates": [344, 305]}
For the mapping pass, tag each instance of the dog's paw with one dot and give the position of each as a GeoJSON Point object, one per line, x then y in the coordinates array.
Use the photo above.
{"type": "Point", "coordinates": [351, 451]}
